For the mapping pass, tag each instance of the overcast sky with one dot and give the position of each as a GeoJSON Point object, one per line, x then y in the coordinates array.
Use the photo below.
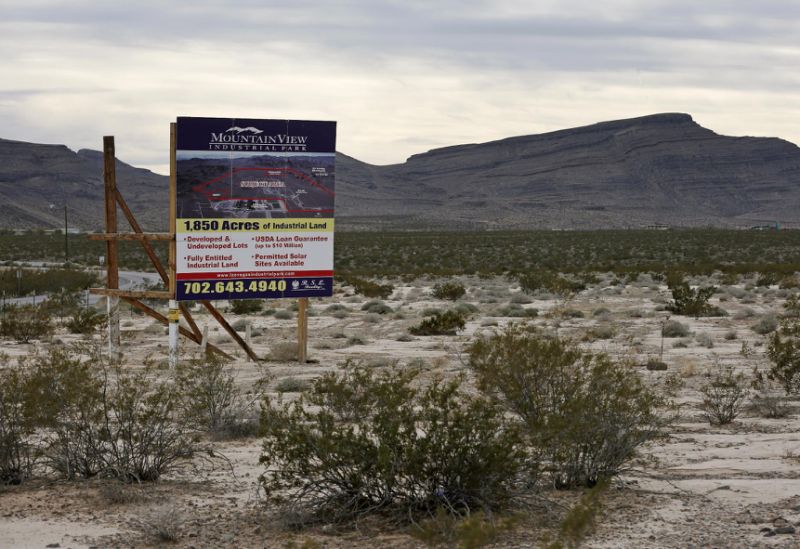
{"type": "Point", "coordinates": [399, 77]}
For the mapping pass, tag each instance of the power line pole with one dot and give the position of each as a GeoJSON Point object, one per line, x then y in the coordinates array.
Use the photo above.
{"type": "Point", "coordinates": [66, 240]}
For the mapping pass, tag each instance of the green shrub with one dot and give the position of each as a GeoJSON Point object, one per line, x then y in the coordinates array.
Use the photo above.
{"type": "Point", "coordinates": [26, 322]}
{"type": "Point", "coordinates": [689, 301]}
{"type": "Point", "coordinates": [783, 350]}
{"type": "Point", "coordinates": [449, 290]}
{"type": "Point", "coordinates": [446, 323]}
{"type": "Point", "coordinates": [367, 288]}
{"type": "Point", "coordinates": [365, 441]}
{"type": "Point", "coordinates": [586, 414]}
{"type": "Point", "coordinates": [530, 282]}
{"type": "Point", "coordinates": [85, 321]}
{"type": "Point", "coordinates": [246, 306]}
{"type": "Point", "coordinates": [723, 397]}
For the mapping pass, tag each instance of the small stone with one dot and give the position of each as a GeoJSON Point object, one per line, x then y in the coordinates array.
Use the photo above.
{"type": "Point", "coordinates": [53, 545]}
{"type": "Point", "coordinates": [788, 529]}
{"type": "Point", "coordinates": [768, 532]}
{"type": "Point", "coordinates": [228, 537]}
{"type": "Point", "coordinates": [780, 522]}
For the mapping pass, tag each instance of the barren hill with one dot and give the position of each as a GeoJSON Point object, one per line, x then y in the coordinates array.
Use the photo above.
{"type": "Point", "coordinates": [659, 169]}
{"type": "Point", "coordinates": [33, 177]}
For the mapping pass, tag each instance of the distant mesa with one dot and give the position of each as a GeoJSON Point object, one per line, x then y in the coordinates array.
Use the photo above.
{"type": "Point", "coordinates": [656, 171]}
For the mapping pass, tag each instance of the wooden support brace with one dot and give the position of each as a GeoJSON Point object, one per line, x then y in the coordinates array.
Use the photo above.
{"type": "Point", "coordinates": [163, 320]}
{"type": "Point", "coordinates": [148, 249]}
{"type": "Point", "coordinates": [224, 323]}
{"type": "Point", "coordinates": [135, 294]}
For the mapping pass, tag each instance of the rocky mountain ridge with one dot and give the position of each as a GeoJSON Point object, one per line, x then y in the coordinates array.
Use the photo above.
{"type": "Point", "coordinates": [662, 169]}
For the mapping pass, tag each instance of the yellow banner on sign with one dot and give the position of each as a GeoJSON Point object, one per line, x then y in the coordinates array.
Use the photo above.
{"type": "Point", "coordinates": [288, 225]}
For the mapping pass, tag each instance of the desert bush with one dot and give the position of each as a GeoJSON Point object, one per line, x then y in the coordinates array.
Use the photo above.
{"type": "Point", "coordinates": [689, 301]}
{"type": "Point", "coordinates": [783, 351]}
{"type": "Point", "coordinates": [283, 314]}
{"type": "Point", "coordinates": [292, 385]}
{"type": "Point", "coordinates": [17, 428]}
{"type": "Point", "coordinates": [571, 313]}
{"type": "Point", "coordinates": [514, 310]}
{"type": "Point", "coordinates": [704, 339]}
{"type": "Point", "coordinates": [532, 281]}
{"type": "Point", "coordinates": [211, 398]}
{"type": "Point", "coordinates": [85, 321]}
{"type": "Point", "coordinates": [246, 306]}
{"type": "Point", "coordinates": [730, 335]}
{"type": "Point", "coordinates": [25, 322]}
{"type": "Point", "coordinates": [768, 399]}
{"type": "Point", "coordinates": [367, 288]}
{"type": "Point", "coordinates": [451, 290]}
{"type": "Point", "coordinates": [473, 530]}
{"type": "Point", "coordinates": [376, 306]}
{"type": "Point", "coordinates": [584, 413]}
{"type": "Point", "coordinates": [673, 328]}
{"type": "Point", "coordinates": [723, 397]}
{"type": "Point", "coordinates": [146, 431]}
{"type": "Point", "coordinates": [655, 365]}
{"type": "Point", "coordinates": [95, 419]}
{"type": "Point", "coordinates": [766, 325]}
{"type": "Point", "coordinates": [465, 308]}
{"type": "Point", "coordinates": [400, 448]}
{"type": "Point", "coordinates": [601, 331]}
{"type": "Point", "coordinates": [446, 323]}
{"type": "Point", "coordinates": [283, 351]}
{"type": "Point", "coordinates": [65, 397]}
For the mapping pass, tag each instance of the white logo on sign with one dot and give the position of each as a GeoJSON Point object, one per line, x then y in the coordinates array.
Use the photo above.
{"type": "Point", "coordinates": [239, 130]}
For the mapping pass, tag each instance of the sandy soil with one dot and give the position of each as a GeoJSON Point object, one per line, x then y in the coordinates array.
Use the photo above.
{"type": "Point", "coordinates": [732, 486]}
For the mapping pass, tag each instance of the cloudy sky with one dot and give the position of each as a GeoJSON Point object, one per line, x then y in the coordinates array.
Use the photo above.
{"type": "Point", "coordinates": [400, 77]}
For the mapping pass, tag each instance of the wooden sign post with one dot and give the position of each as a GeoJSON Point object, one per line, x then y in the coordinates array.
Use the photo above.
{"type": "Point", "coordinates": [302, 330]}
{"type": "Point", "coordinates": [112, 266]}
{"type": "Point", "coordinates": [113, 198]}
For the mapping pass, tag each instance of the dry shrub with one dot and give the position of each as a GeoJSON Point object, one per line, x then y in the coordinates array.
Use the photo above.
{"type": "Point", "coordinates": [723, 397]}
{"type": "Point", "coordinates": [585, 414]}
{"type": "Point", "coordinates": [26, 322]}
{"type": "Point", "coordinates": [369, 441]}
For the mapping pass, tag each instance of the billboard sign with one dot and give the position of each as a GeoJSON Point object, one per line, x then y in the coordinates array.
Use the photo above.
{"type": "Point", "coordinates": [255, 205]}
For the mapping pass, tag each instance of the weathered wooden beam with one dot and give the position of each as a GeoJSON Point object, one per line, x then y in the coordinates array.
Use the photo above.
{"type": "Point", "coordinates": [224, 323]}
{"type": "Point", "coordinates": [148, 249]}
{"type": "Point", "coordinates": [112, 259]}
{"type": "Point", "coordinates": [135, 294]}
{"type": "Point", "coordinates": [184, 332]}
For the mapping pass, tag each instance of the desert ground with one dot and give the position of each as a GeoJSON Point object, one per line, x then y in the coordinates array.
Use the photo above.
{"type": "Point", "coordinates": [728, 486]}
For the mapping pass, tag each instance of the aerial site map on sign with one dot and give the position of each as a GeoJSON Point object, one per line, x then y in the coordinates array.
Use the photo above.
{"type": "Point", "coordinates": [255, 204]}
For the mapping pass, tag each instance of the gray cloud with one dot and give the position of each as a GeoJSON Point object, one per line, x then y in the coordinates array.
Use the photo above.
{"type": "Point", "coordinates": [398, 75]}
